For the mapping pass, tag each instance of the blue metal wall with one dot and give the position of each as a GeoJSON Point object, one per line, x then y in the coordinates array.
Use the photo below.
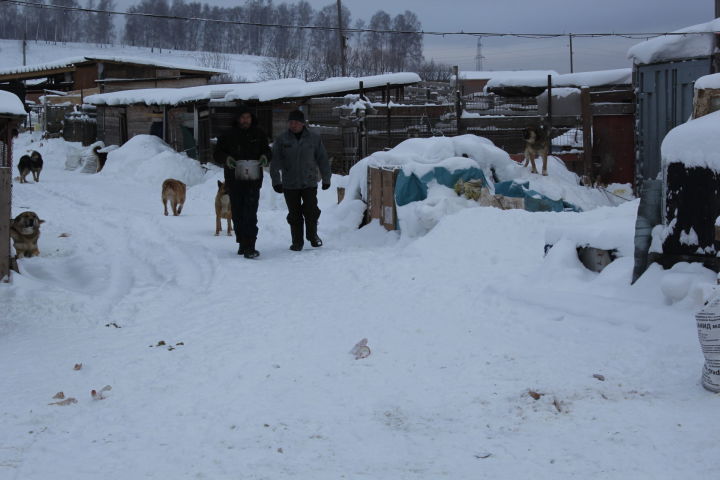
{"type": "Point", "coordinates": [665, 100]}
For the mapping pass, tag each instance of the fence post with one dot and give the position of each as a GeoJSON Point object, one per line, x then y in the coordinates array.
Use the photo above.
{"type": "Point", "coordinates": [587, 123]}
{"type": "Point", "coordinates": [458, 106]}
{"type": "Point", "coordinates": [389, 134]}
{"type": "Point", "coordinates": [549, 106]}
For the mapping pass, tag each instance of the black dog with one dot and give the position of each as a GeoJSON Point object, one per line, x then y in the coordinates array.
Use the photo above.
{"type": "Point", "coordinates": [32, 163]}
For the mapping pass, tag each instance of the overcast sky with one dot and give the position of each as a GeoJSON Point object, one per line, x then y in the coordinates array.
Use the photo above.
{"type": "Point", "coordinates": [531, 16]}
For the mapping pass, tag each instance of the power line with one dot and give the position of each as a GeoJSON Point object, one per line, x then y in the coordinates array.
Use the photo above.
{"type": "Point", "coordinates": [631, 35]}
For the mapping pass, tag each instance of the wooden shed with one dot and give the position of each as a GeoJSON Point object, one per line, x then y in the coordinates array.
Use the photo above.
{"type": "Point", "coordinates": [664, 73]}
{"type": "Point", "coordinates": [189, 118]}
{"type": "Point", "coordinates": [87, 75]}
{"type": "Point", "coordinates": [12, 112]}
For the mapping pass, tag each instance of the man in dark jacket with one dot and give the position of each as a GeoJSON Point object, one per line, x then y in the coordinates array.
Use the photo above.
{"type": "Point", "coordinates": [244, 145]}
{"type": "Point", "coordinates": [298, 157]}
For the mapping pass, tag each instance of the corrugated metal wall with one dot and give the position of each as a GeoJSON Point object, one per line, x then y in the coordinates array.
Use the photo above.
{"type": "Point", "coordinates": [665, 100]}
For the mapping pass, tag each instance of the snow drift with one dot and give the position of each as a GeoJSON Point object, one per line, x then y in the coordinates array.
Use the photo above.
{"type": "Point", "coordinates": [147, 159]}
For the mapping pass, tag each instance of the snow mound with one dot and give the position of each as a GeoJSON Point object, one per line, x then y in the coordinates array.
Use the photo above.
{"type": "Point", "coordinates": [676, 47]}
{"type": "Point", "coordinates": [708, 81]}
{"type": "Point", "coordinates": [10, 104]}
{"type": "Point", "coordinates": [694, 144]}
{"type": "Point", "coordinates": [147, 159]}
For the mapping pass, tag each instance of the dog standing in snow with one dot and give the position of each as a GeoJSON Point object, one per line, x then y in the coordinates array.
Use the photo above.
{"type": "Point", "coordinates": [25, 231]}
{"type": "Point", "coordinates": [222, 209]}
{"type": "Point", "coordinates": [537, 142]}
{"type": "Point", "coordinates": [30, 163]}
{"type": "Point", "coordinates": [173, 191]}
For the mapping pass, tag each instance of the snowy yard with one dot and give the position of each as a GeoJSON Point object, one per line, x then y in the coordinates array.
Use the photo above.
{"type": "Point", "coordinates": [255, 379]}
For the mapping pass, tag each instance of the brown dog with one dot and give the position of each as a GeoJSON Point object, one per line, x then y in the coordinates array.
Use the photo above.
{"type": "Point", "coordinates": [173, 191]}
{"type": "Point", "coordinates": [537, 142]}
{"type": "Point", "coordinates": [222, 209]}
{"type": "Point", "coordinates": [25, 231]}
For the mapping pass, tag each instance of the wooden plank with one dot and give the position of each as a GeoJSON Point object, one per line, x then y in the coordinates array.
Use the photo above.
{"type": "Point", "coordinates": [613, 96]}
{"type": "Point", "coordinates": [613, 108]}
{"type": "Point", "coordinates": [374, 193]}
{"type": "Point", "coordinates": [586, 111]}
{"type": "Point", "coordinates": [388, 213]}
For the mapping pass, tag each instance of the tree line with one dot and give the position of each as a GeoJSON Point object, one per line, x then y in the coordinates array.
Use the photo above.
{"type": "Point", "coordinates": [290, 52]}
{"type": "Point", "coordinates": [55, 25]}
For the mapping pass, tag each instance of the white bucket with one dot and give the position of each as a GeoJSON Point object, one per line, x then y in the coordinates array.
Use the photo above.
{"type": "Point", "coordinates": [248, 170]}
{"type": "Point", "coordinates": [708, 325]}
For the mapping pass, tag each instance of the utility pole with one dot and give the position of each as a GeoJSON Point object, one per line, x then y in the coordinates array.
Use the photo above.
{"type": "Point", "coordinates": [717, 8]}
{"type": "Point", "coordinates": [571, 51]}
{"type": "Point", "coordinates": [341, 39]}
{"type": "Point", "coordinates": [24, 47]}
{"type": "Point", "coordinates": [479, 56]}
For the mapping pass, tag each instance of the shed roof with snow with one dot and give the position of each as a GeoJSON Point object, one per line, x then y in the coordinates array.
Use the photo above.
{"type": "Point", "coordinates": [697, 43]}
{"type": "Point", "coordinates": [71, 63]}
{"type": "Point", "coordinates": [268, 91]}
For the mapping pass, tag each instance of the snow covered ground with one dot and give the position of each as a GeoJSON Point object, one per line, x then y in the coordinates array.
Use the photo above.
{"type": "Point", "coordinates": [240, 66]}
{"type": "Point", "coordinates": [255, 379]}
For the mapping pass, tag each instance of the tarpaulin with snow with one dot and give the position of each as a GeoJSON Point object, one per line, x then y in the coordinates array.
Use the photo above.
{"type": "Point", "coordinates": [411, 188]}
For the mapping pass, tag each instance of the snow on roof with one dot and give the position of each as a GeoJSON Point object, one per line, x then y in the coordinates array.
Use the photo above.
{"type": "Point", "coordinates": [620, 76]}
{"type": "Point", "coordinates": [71, 61]}
{"type": "Point", "coordinates": [694, 144]}
{"type": "Point", "coordinates": [708, 81]}
{"type": "Point", "coordinates": [521, 78]}
{"type": "Point", "coordinates": [10, 104]}
{"type": "Point", "coordinates": [261, 91]}
{"type": "Point", "coordinates": [538, 78]}
{"type": "Point", "coordinates": [487, 75]}
{"type": "Point", "coordinates": [676, 47]}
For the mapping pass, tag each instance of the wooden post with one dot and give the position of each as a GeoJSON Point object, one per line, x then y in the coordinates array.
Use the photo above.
{"type": "Point", "coordinates": [389, 134]}
{"type": "Point", "coordinates": [362, 90]}
{"type": "Point", "coordinates": [587, 122]}
{"type": "Point", "coordinates": [458, 106]}
{"type": "Point", "coordinates": [548, 120]}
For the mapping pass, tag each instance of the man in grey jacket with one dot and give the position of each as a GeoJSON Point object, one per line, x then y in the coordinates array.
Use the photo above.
{"type": "Point", "coordinates": [298, 156]}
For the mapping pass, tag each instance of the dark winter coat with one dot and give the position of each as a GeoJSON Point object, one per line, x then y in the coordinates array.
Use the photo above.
{"type": "Point", "coordinates": [242, 144]}
{"type": "Point", "coordinates": [296, 163]}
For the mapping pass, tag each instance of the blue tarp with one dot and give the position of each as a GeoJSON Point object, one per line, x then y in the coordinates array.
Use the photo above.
{"type": "Point", "coordinates": [534, 201]}
{"type": "Point", "coordinates": [411, 188]}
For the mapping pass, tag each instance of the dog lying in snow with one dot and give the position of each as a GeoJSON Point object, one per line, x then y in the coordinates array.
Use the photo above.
{"type": "Point", "coordinates": [222, 209]}
{"type": "Point", "coordinates": [173, 191]}
{"type": "Point", "coordinates": [25, 231]}
{"type": "Point", "coordinates": [30, 163]}
{"type": "Point", "coordinates": [537, 142]}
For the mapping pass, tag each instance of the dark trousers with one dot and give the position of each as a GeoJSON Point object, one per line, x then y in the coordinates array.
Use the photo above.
{"type": "Point", "coordinates": [302, 210]}
{"type": "Point", "coordinates": [244, 200]}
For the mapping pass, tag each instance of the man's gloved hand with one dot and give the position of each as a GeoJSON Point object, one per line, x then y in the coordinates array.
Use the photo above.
{"type": "Point", "coordinates": [230, 162]}
{"type": "Point", "coordinates": [264, 162]}
{"type": "Point", "coordinates": [278, 188]}
{"type": "Point", "coordinates": [325, 186]}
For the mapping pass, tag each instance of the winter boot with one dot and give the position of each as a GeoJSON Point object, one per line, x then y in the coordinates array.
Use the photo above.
{"type": "Point", "coordinates": [312, 236]}
{"type": "Point", "coordinates": [296, 231]}
{"type": "Point", "coordinates": [250, 251]}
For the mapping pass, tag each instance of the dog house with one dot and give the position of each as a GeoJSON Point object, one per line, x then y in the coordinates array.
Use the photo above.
{"type": "Point", "coordinates": [12, 112]}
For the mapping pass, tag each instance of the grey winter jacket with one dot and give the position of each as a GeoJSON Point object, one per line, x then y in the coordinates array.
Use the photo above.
{"type": "Point", "coordinates": [296, 163]}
